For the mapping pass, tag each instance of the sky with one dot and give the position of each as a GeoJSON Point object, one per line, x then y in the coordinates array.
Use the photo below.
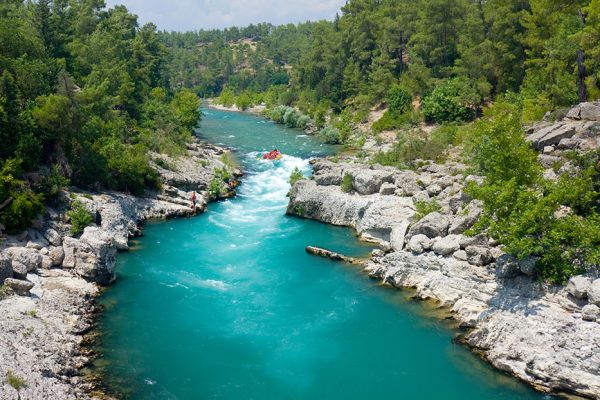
{"type": "Point", "coordinates": [183, 15]}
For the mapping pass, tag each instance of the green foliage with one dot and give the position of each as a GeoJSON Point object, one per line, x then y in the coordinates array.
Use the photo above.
{"type": "Point", "coordinates": [80, 217]}
{"type": "Point", "coordinates": [15, 381]}
{"type": "Point", "coordinates": [289, 116]}
{"type": "Point", "coordinates": [331, 136]}
{"type": "Point", "coordinates": [19, 204]}
{"type": "Point", "coordinates": [215, 187]}
{"type": "Point", "coordinates": [424, 208]}
{"type": "Point", "coordinates": [347, 186]}
{"type": "Point", "coordinates": [399, 100]}
{"type": "Point", "coordinates": [53, 182]}
{"type": "Point", "coordinates": [454, 100]}
{"type": "Point", "coordinates": [555, 222]}
{"type": "Point", "coordinates": [390, 121]}
{"type": "Point", "coordinates": [296, 176]}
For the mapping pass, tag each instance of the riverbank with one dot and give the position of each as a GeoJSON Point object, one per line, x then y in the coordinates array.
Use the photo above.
{"type": "Point", "coordinates": [52, 278]}
{"type": "Point", "coordinates": [547, 336]}
{"type": "Point", "coordinates": [258, 109]}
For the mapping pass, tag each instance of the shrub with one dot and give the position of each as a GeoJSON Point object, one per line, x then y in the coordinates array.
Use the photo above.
{"type": "Point", "coordinates": [390, 121]}
{"type": "Point", "coordinates": [214, 188]}
{"type": "Point", "coordinates": [227, 98]}
{"type": "Point", "coordinates": [330, 136]}
{"type": "Point", "coordinates": [454, 100]}
{"type": "Point", "coordinates": [399, 100]}
{"type": "Point", "coordinates": [80, 217]}
{"type": "Point", "coordinates": [53, 182]}
{"type": "Point", "coordinates": [555, 222]}
{"type": "Point", "coordinates": [424, 208]}
{"type": "Point", "coordinates": [15, 381]}
{"type": "Point", "coordinates": [18, 203]}
{"type": "Point", "coordinates": [347, 186]}
{"type": "Point", "coordinates": [295, 176]}
{"type": "Point", "coordinates": [243, 101]}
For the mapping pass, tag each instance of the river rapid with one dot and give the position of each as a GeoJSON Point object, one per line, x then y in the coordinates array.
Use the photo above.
{"type": "Point", "coordinates": [228, 305]}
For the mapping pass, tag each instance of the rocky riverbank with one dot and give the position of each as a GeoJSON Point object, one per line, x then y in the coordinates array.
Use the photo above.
{"type": "Point", "coordinates": [548, 336]}
{"type": "Point", "coordinates": [51, 277]}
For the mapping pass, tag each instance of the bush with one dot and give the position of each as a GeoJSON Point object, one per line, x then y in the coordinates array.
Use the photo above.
{"type": "Point", "coordinates": [454, 100]}
{"type": "Point", "coordinates": [425, 208]}
{"type": "Point", "coordinates": [296, 176]}
{"type": "Point", "coordinates": [243, 101]}
{"type": "Point", "coordinates": [347, 186]}
{"type": "Point", "coordinates": [214, 188]}
{"type": "Point", "coordinates": [19, 205]}
{"type": "Point", "coordinates": [330, 136]}
{"type": "Point", "coordinates": [80, 217]}
{"type": "Point", "coordinates": [399, 100]}
{"type": "Point", "coordinates": [554, 222]}
{"type": "Point", "coordinates": [53, 182]}
{"type": "Point", "coordinates": [390, 121]}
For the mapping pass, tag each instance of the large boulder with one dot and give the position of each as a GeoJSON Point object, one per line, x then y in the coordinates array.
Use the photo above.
{"type": "Point", "coordinates": [466, 218]}
{"type": "Point", "coordinates": [528, 266]}
{"type": "Point", "coordinates": [398, 235]}
{"type": "Point", "coordinates": [20, 287]}
{"type": "Point", "coordinates": [432, 225]}
{"type": "Point", "coordinates": [552, 135]}
{"type": "Point", "coordinates": [590, 312]}
{"type": "Point", "coordinates": [53, 237]}
{"type": "Point", "coordinates": [585, 111]}
{"type": "Point", "coordinates": [419, 243]}
{"type": "Point", "coordinates": [369, 181]}
{"type": "Point", "coordinates": [19, 270]}
{"type": "Point", "coordinates": [6, 270]}
{"type": "Point", "coordinates": [57, 255]}
{"type": "Point", "coordinates": [507, 266]}
{"type": "Point", "coordinates": [407, 183]}
{"type": "Point", "coordinates": [26, 256]}
{"type": "Point", "coordinates": [69, 249]}
{"type": "Point", "coordinates": [479, 255]}
{"type": "Point", "coordinates": [578, 286]}
{"type": "Point", "coordinates": [447, 245]}
{"type": "Point", "coordinates": [96, 256]}
{"type": "Point", "coordinates": [593, 292]}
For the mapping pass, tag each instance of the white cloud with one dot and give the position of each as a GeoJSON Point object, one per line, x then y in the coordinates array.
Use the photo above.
{"type": "Point", "coordinates": [182, 15]}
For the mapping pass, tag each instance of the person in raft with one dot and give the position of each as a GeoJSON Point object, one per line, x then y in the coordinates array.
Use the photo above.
{"type": "Point", "coordinates": [194, 202]}
{"type": "Point", "coordinates": [273, 154]}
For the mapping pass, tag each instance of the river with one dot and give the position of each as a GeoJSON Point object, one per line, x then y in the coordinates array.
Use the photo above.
{"type": "Point", "coordinates": [228, 305]}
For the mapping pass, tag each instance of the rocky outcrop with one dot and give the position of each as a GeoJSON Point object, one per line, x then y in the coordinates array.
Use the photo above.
{"type": "Point", "coordinates": [51, 278]}
{"type": "Point", "coordinates": [547, 336]}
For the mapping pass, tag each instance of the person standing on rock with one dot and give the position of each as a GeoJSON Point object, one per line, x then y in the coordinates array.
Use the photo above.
{"type": "Point", "coordinates": [194, 202]}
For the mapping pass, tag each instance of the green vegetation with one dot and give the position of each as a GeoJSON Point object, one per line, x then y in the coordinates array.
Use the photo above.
{"type": "Point", "coordinates": [411, 149]}
{"type": "Point", "coordinates": [450, 56]}
{"type": "Point", "coordinates": [347, 186]}
{"type": "Point", "coordinates": [296, 176]}
{"type": "Point", "coordinates": [15, 381]}
{"type": "Point", "coordinates": [80, 217]}
{"type": "Point", "coordinates": [289, 116]}
{"type": "Point", "coordinates": [554, 222]}
{"type": "Point", "coordinates": [84, 95]}
{"type": "Point", "coordinates": [424, 208]}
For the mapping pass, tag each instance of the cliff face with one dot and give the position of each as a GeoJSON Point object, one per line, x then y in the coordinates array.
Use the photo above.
{"type": "Point", "coordinates": [51, 278]}
{"type": "Point", "coordinates": [545, 335]}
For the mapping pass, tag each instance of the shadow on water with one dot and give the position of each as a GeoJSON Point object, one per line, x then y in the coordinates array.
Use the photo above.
{"type": "Point", "coordinates": [228, 305]}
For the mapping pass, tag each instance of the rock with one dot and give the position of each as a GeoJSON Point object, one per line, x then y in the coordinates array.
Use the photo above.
{"type": "Point", "coordinates": [478, 240]}
{"type": "Point", "coordinates": [478, 255]}
{"type": "Point", "coordinates": [569, 144]}
{"type": "Point", "coordinates": [460, 255]}
{"type": "Point", "coordinates": [528, 266]}
{"type": "Point", "coordinates": [26, 256]}
{"type": "Point", "coordinates": [589, 111]}
{"type": "Point", "coordinates": [18, 286]}
{"type": "Point", "coordinates": [593, 292]}
{"type": "Point", "coordinates": [96, 256]}
{"type": "Point", "coordinates": [19, 270]}
{"type": "Point", "coordinates": [366, 181]}
{"type": "Point", "coordinates": [447, 245]}
{"type": "Point", "coordinates": [419, 243]}
{"type": "Point", "coordinates": [421, 196]}
{"type": "Point", "coordinates": [434, 190]}
{"type": "Point", "coordinates": [507, 266]}
{"type": "Point", "coordinates": [406, 182]}
{"type": "Point", "coordinates": [466, 218]}
{"type": "Point", "coordinates": [387, 189]}
{"type": "Point", "coordinates": [328, 179]}
{"type": "Point", "coordinates": [551, 135]}
{"type": "Point", "coordinates": [6, 270]}
{"type": "Point", "coordinates": [578, 286]}
{"type": "Point", "coordinates": [550, 149]}
{"type": "Point", "coordinates": [590, 312]}
{"type": "Point", "coordinates": [432, 225]}
{"type": "Point", "coordinates": [46, 262]}
{"type": "Point", "coordinates": [53, 237]}
{"type": "Point", "coordinates": [398, 235]}
{"type": "Point", "coordinates": [57, 255]}
{"type": "Point", "coordinates": [69, 248]}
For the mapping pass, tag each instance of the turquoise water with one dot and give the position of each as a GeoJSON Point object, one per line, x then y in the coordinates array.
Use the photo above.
{"type": "Point", "coordinates": [229, 306]}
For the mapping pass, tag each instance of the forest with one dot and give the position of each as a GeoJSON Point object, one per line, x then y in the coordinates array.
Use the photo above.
{"type": "Point", "coordinates": [84, 98]}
